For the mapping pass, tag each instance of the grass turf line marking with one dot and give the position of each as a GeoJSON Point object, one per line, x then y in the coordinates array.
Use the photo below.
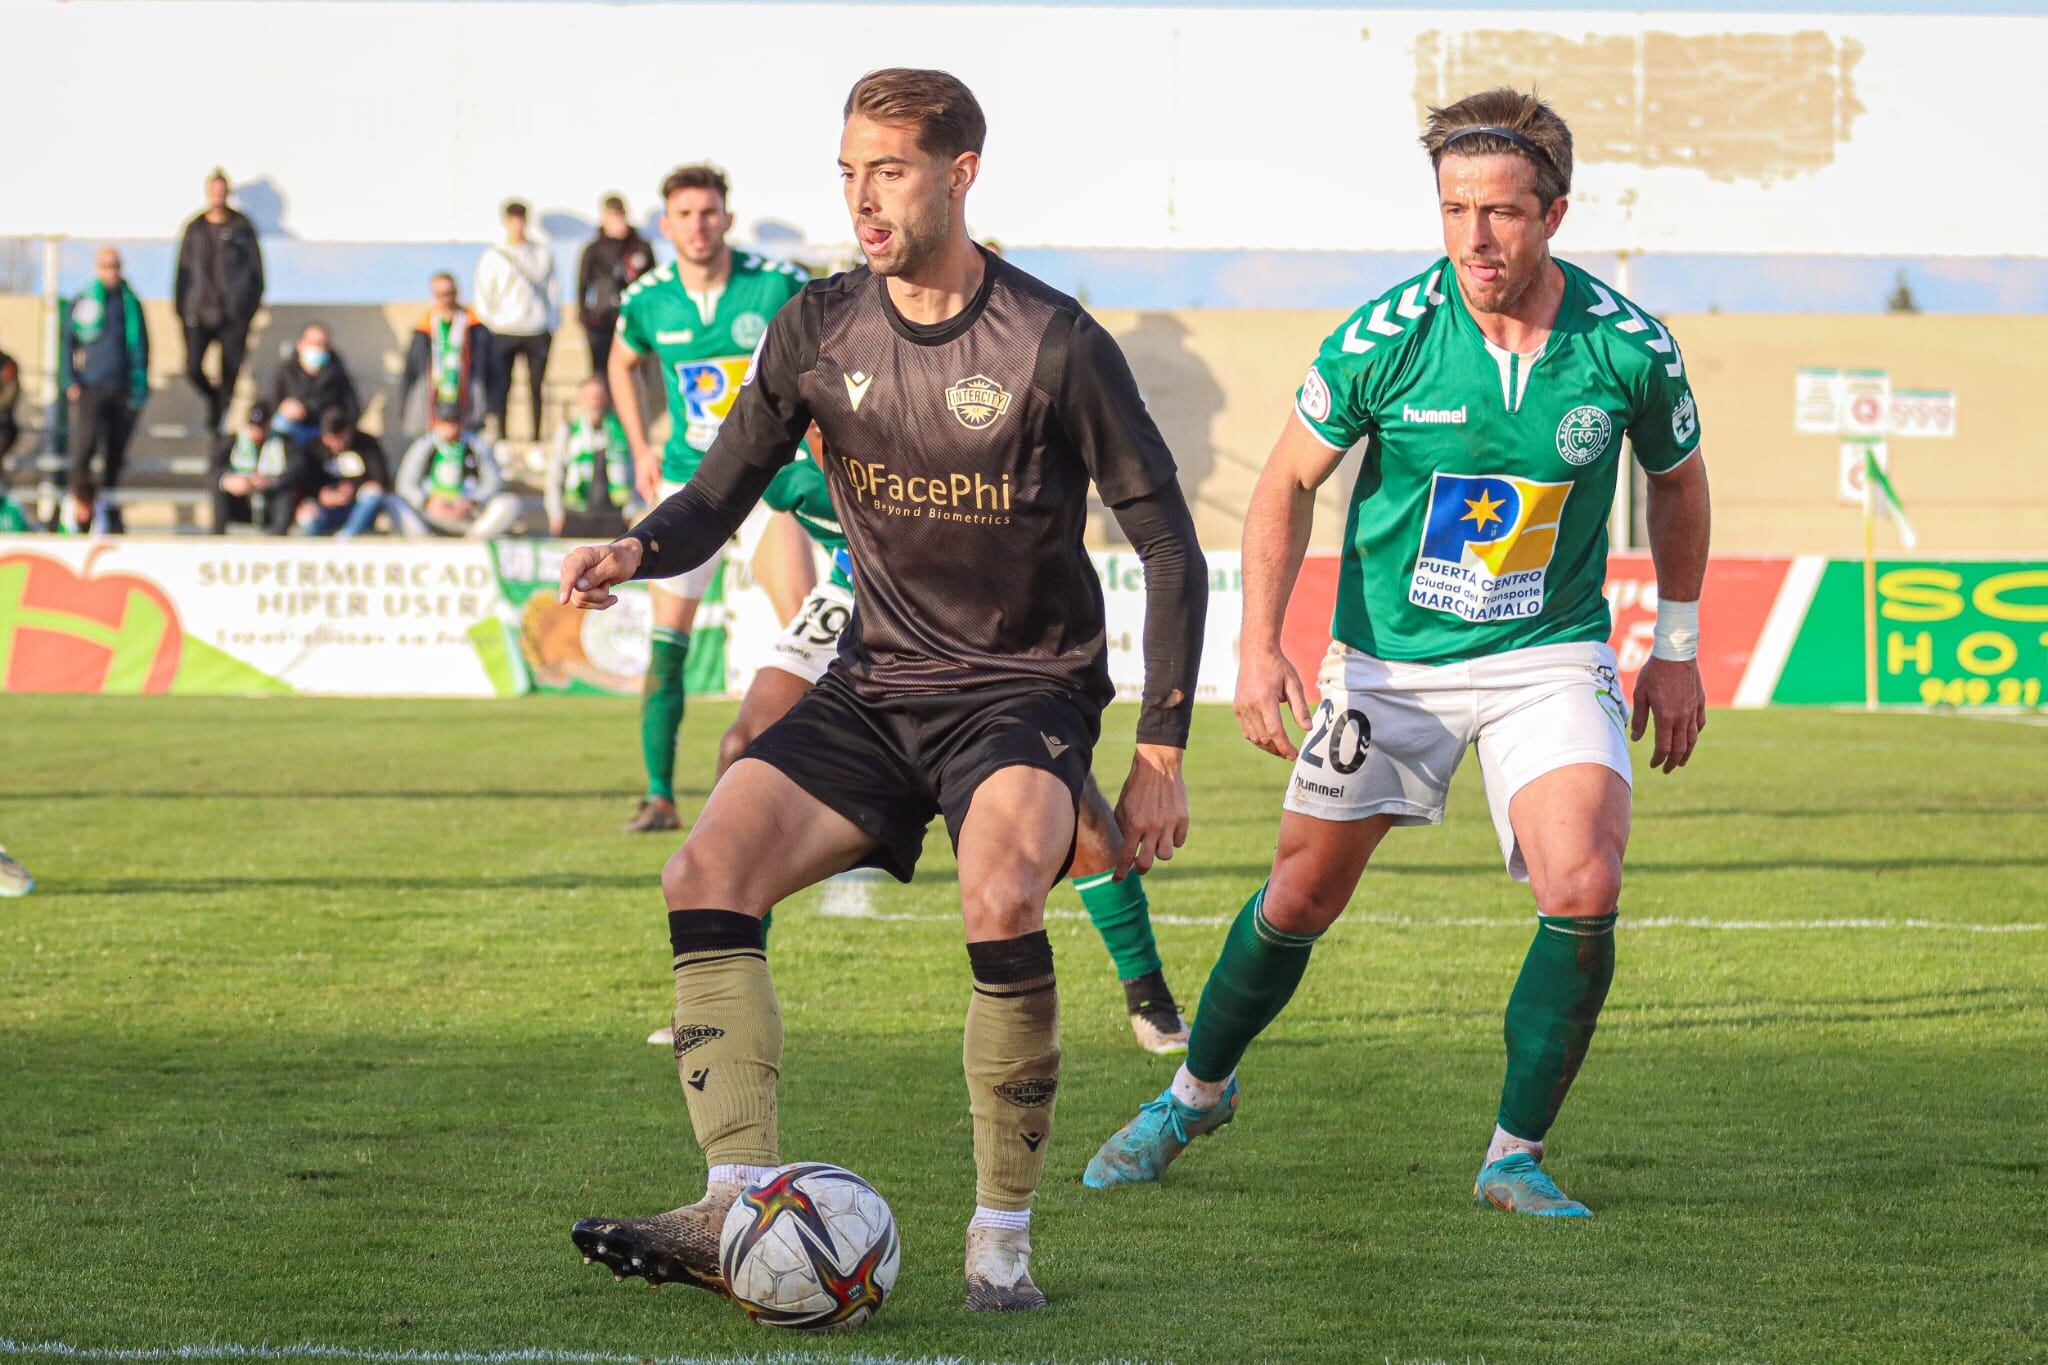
{"type": "Point", "coordinates": [846, 911]}
{"type": "Point", "coordinates": [528, 1355]}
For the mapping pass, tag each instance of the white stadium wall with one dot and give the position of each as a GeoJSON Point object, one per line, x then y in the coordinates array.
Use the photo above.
{"type": "Point", "coordinates": [1118, 128]}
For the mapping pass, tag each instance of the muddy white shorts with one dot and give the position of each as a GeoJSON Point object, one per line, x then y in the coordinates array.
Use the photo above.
{"type": "Point", "coordinates": [1387, 736]}
{"type": "Point", "coordinates": [810, 642]}
{"type": "Point", "coordinates": [694, 583]}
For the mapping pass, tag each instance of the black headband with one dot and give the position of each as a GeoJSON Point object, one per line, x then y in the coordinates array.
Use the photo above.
{"type": "Point", "coordinates": [1495, 130]}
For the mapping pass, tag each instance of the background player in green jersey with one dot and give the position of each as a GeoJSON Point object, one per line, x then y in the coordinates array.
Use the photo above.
{"type": "Point", "coordinates": [1494, 389]}
{"type": "Point", "coordinates": [699, 319]}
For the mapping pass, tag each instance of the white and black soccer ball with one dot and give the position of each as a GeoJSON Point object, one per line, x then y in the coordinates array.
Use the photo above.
{"type": "Point", "coordinates": [810, 1246]}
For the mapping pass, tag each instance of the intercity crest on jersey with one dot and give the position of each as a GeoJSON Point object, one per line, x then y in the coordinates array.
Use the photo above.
{"type": "Point", "coordinates": [1583, 434]}
{"type": "Point", "coordinates": [1487, 545]}
{"type": "Point", "coordinates": [977, 401]}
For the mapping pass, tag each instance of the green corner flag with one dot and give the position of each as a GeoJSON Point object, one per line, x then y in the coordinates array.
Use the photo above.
{"type": "Point", "coordinates": [1889, 498]}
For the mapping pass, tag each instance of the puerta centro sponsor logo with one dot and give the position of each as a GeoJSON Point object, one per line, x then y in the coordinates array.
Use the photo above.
{"type": "Point", "coordinates": [961, 496]}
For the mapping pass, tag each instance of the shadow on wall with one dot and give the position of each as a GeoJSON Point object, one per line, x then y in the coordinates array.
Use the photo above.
{"type": "Point", "coordinates": [264, 204]}
{"type": "Point", "coordinates": [1182, 394]}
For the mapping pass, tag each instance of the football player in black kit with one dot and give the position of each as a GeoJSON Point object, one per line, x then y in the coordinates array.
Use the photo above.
{"type": "Point", "coordinates": [965, 407]}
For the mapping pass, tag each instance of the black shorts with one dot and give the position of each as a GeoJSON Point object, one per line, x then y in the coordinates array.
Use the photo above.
{"type": "Point", "coordinates": [890, 766]}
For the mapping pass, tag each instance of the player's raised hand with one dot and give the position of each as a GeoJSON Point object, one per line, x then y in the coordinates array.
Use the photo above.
{"type": "Point", "coordinates": [1152, 809]}
{"type": "Point", "coordinates": [1670, 692]}
{"type": "Point", "coordinates": [1267, 689]}
{"type": "Point", "coordinates": [591, 571]}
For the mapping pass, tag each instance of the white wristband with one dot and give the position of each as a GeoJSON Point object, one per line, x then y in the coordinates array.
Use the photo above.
{"type": "Point", "coordinates": [1678, 630]}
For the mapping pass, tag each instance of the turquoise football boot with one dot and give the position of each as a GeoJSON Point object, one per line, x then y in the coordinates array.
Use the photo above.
{"type": "Point", "coordinates": [1516, 1183]}
{"type": "Point", "coordinates": [1143, 1148]}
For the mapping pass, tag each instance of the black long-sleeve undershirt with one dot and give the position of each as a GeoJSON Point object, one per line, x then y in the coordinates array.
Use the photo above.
{"type": "Point", "coordinates": [692, 525]}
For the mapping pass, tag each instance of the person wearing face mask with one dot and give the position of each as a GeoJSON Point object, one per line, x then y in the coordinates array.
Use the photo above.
{"type": "Point", "coordinates": [315, 376]}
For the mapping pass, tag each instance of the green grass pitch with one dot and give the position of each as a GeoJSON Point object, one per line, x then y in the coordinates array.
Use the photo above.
{"type": "Point", "coordinates": [326, 1023]}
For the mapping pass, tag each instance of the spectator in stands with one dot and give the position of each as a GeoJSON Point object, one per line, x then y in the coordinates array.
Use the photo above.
{"type": "Point", "coordinates": [10, 399]}
{"type": "Point", "coordinates": [616, 257]}
{"type": "Point", "coordinates": [218, 290]}
{"type": "Point", "coordinates": [247, 463]}
{"type": "Point", "coordinates": [515, 297]}
{"type": "Point", "coordinates": [589, 485]}
{"type": "Point", "coordinates": [354, 478]}
{"type": "Point", "coordinates": [446, 362]}
{"type": "Point", "coordinates": [103, 360]}
{"type": "Point", "coordinates": [317, 377]}
{"type": "Point", "coordinates": [451, 478]}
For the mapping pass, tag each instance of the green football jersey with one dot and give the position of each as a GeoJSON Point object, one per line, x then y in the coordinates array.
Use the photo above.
{"type": "Point", "coordinates": [1479, 520]}
{"type": "Point", "coordinates": [703, 360]}
{"type": "Point", "coordinates": [798, 488]}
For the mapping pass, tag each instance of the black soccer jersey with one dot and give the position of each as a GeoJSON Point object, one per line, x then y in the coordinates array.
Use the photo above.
{"type": "Point", "coordinates": [959, 457]}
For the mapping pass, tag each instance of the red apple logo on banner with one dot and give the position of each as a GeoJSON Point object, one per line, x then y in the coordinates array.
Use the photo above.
{"type": "Point", "coordinates": [71, 632]}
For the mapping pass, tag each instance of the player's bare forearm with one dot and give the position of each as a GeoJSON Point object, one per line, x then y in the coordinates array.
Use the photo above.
{"type": "Point", "coordinates": [1680, 517]}
{"type": "Point", "coordinates": [1152, 809]}
{"type": "Point", "coordinates": [1277, 526]}
{"type": "Point", "coordinates": [618, 370]}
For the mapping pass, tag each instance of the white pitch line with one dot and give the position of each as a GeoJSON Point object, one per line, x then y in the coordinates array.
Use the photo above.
{"type": "Point", "coordinates": [529, 1355]}
{"type": "Point", "coordinates": [1518, 922]}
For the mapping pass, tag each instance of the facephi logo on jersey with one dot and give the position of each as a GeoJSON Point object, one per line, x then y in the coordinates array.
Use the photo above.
{"type": "Point", "coordinates": [748, 329]}
{"type": "Point", "coordinates": [1034, 1092]}
{"type": "Point", "coordinates": [1434, 416]}
{"type": "Point", "coordinates": [1583, 434]}
{"type": "Point", "coordinates": [1685, 419]}
{"type": "Point", "coordinates": [857, 387]}
{"type": "Point", "coordinates": [940, 497]}
{"type": "Point", "coordinates": [690, 1037]}
{"type": "Point", "coordinates": [1486, 546]}
{"type": "Point", "coordinates": [1315, 396]}
{"type": "Point", "coordinates": [977, 401]}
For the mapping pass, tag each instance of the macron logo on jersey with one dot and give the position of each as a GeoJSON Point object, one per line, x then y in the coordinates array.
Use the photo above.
{"type": "Point", "coordinates": [1486, 546]}
{"type": "Point", "coordinates": [1434, 416]}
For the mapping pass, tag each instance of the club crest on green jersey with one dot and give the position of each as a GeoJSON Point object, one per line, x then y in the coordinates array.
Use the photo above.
{"type": "Point", "coordinates": [748, 329]}
{"type": "Point", "coordinates": [1583, 434]}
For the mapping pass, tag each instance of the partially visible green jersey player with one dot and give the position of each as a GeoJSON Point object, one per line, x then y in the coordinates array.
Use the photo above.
{"type": "Point", "coordinates": [1492, 393]}
{"type": "Point", "coordinates": [698, 320]}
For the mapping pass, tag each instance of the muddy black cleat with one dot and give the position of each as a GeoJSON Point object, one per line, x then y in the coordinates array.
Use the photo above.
{"type": "Point", "coordinates": [680, 1246]}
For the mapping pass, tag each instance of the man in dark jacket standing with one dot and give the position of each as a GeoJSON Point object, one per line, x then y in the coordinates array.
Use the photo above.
{"type": "Point", "coordinates": [103, 357]}
{"type": "Point", "coordinates": [219, 287]}
{"type": "Point", "coordinates": [315, 376]}
{"type": "Point", "coordinates": [616, 257]}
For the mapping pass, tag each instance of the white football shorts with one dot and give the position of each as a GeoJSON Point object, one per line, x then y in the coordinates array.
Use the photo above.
{"type": "Point", "coordinates": [694, 583]}
{"type": "Point", "coordinates": [810, 642]}
{"type": "Point", "coordinates": [1387, 736]}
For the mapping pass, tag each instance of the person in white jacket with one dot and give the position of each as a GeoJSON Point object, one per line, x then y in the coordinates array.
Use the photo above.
{"type": "Point", "coordinates": [451, 478]}
{"type": "Point", "coordinates": [516, 299]}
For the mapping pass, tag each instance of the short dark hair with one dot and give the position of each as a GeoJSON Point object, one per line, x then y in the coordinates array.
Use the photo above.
{"type": "Point", "coordinates": [336, 422]}
{"type": "Point", "coordinates": [440, 275]}
{"type": "Point", "coordinates": [514, 208]}
{"type": "Point", "coordinates": [937, 104]}
{"type": "Point", "coordinates": [614, 204]}
{"type": "Point", "coordinates": [702, 176]}
{"type": "Point", "coordinates": [1505, 121]}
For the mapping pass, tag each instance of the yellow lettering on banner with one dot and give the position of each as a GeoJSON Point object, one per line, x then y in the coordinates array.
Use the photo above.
{"type": "Point", "coordinates": [1897, 653]}
{"type": "Point", "coordinates": [1970, 653]}
{"type": "Point", "coordinates": [1990, 594]}
{"type": "Point", "coordinates": [1920, 595]}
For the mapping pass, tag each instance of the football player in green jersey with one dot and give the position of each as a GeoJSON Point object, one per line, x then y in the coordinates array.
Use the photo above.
{"type": "Point", "coordinates": [698, 318]}
{"type": "Point", "coordinates": [1494, 390]}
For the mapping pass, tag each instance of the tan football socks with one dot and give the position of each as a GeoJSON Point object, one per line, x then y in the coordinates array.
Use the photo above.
{"type": "Point", "coordinates": [728, 1034]}
{"type": "Point", "coordinates": [1012, 1054]}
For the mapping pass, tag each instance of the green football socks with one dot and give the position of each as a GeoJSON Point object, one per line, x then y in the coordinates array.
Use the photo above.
{"type": "Point", "coordinates": [1119, 912]}
{"type": "Point", "coordinates": [661, 710]}
{"type": "Point", "coordinates": [1550, 1018]}
{"type": "Point", "coordinates": [1248, 987]}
